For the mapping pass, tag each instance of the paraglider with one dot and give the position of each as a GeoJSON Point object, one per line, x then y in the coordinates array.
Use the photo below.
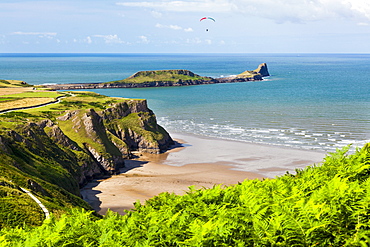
{"type": "Point", "coordinates": [207, 18]}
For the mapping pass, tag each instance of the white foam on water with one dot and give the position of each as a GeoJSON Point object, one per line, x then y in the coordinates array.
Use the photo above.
{"type": "Point", "coordinates": [314, 134]}
{"type": "Point", "coordinates": [289, 137]}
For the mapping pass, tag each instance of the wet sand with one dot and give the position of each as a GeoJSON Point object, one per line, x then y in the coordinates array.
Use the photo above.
{"type": "Point", "coordinates": [202, 162]}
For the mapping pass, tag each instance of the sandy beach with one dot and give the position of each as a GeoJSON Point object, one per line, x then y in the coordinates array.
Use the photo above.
{"type": "Point", "coordinates": [199, 161]}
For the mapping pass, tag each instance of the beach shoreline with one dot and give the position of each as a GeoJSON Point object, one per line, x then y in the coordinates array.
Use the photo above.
{"type": "Point", "coordinates": [199, 161]}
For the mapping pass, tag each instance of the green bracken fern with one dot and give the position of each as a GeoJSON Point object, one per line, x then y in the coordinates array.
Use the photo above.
{"type": "Point", "coordinates": [321, 205]}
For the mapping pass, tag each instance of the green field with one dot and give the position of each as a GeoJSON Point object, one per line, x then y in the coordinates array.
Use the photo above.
{"type": "Point", "coordinates": [18, 94]}
{"type": "Point", "coordinates": [35, 94]}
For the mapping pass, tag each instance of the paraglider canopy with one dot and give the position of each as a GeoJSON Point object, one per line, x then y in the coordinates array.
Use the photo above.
{"type": "Point", "coordinates": [207, 18]}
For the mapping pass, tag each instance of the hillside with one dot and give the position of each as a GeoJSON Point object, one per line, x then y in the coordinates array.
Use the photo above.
{"type": "Point", "coordinates": [53, 150]}
{"type": "Point", "coordinates": [174, 76]}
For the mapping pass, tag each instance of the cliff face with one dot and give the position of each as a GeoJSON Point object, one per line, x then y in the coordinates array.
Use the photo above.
{"type": "Point", "coordinates": [256, 74]}
{"type": "Point", "coordinates": [262, 70]}
{"type": "Point", "coordinates": [52, 157]}
{"type": "Point", "coordinates": [139, 129]}
{"type": "Point", "coordinates": [110, 135]}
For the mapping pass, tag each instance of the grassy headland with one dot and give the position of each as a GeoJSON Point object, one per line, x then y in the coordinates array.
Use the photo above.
{"type": "Point", "coordinates": [54, 149]}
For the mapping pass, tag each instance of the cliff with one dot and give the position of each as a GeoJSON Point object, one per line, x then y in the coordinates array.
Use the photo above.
{"type": "Point", "coordinates": [262, 69]}
{"type": "Point", "coordinates": [168, 78]}
{"type": "Point", "coordinates": [256, 74]}
{"type": "Point", "coordinates": [54, 150]}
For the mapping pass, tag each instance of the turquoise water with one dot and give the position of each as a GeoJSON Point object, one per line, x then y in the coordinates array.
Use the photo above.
{"type": "Point", "coordinates": [310, 101]}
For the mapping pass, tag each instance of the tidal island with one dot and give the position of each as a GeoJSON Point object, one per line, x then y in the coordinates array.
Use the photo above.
{"type": "Point", "coordinates": [168, 78]}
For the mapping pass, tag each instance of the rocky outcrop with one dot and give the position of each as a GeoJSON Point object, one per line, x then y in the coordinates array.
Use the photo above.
{"type": "Point", "coordinates": [105, 153]}
{"type": "Point", "coordinates": [254, 75]}
{"type": "Point", "coordinates": [109, 137]}
{"type": "Point", "coordinates": [124, 109]}
{"type": "Point", "coordinates": [262, 70]}
{"type": "Point", "coordinates": [60, 138]}
{"type": "Point", "coordinates": [145, 135]}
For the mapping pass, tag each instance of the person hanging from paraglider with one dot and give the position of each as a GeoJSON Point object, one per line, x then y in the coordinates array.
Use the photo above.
{"type": "Point", "coordinates": [207, 18]}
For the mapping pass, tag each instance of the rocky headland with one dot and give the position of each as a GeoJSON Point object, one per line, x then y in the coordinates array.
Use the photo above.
{"type": "Point", "coordinates": [52, 151]}
{"type": "Point", "coordinates": [168, 78]}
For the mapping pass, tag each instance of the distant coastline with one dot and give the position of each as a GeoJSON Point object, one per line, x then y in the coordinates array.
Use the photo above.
{"type": "Point", "coordinates": [169, 79]}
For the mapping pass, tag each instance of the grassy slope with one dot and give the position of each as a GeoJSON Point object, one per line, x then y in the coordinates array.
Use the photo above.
{"type": "Point", "coordinates": [160, 75]}
{"type": "Point", "coordinates": [247, 74]}
{"type": "Point", "coordinates": [13, 83]}
{"type": "Point", "coordinates": [40, 160]}
{"type": "Point", "coordinates": [37, 158]}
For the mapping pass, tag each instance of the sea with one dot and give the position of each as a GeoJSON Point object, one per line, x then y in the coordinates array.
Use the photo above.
{"type": "Point", "coordinates": [310, 101]}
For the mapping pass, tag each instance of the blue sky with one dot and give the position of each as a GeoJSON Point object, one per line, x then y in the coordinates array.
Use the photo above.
{"type": "Point", "coordinates": [168, 26]}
